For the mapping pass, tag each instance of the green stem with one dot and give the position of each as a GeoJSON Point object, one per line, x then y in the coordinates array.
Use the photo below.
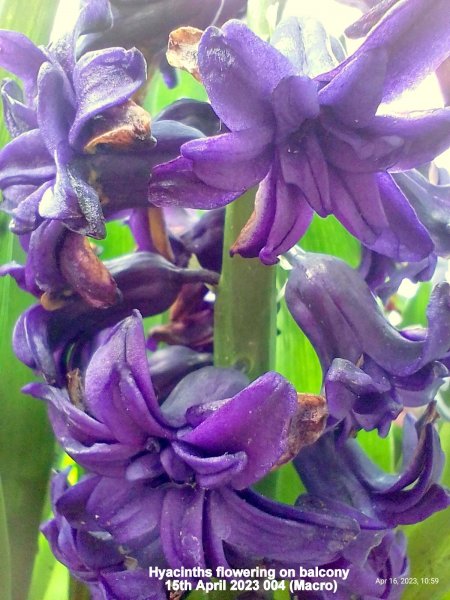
{"type": "Point", "coordinates": [26, 442]}
{"type": "Point", "coordinates": [78, 591]}
{"type": "Point", "coordinates": [245, 312]}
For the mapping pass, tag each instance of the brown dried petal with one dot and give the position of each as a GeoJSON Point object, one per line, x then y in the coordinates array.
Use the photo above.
{"type": "Point", "coordinates": [306, 426]}
{"type": "Point", "coordinates": [158, 232]}
{"type": "Point", "coordinates": [75, 388]}
{"type": "Point", "coordinates": [85, 272]}
{"type": "Point", "coordinates": [182, 50]}
{"type": "Point", "coordinates": [119, 128]}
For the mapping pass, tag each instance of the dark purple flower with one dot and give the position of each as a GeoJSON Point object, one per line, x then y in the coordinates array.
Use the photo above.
{"type": "Point", "coordinates": [205, 527]}
{"type": "Point", "coordinates": [371, 370]}
{"type": "Point", "coordinates": [343, 473]}
{"type": "Point", "coordinates": [112, 424]}
{"type": "Point", "coordinates": [94, 557]}
{"type": "Point", "coordinates": [314, 141]}
{"type": "Point", "coordinates": [145, 281]}
{"type": "Point", "coordinates": [380, 574]}
{"type": "Point", "coordinates": [89, 98]}
{"type": "Point", "coordinates": [87, 153]}
{"type": "Point", "coordinates": [178, 472]}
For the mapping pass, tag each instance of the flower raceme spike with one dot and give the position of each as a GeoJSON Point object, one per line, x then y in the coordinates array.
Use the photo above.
{"type": "Point", "coordinates": [315, 142]}
{"type": "Point", "coordinates": [371, 370]}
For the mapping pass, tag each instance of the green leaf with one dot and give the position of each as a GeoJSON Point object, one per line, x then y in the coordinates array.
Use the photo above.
{"type": "Point", "coordinates": [429, 544]}
{"type": "Point", "coordinates": [379, 449]}
{"type": "Point", "coordinates": [5, 570]}
{"type": "Point", "coordinates": [58, 588]}
{"type": "Point", "coordinates": [328, 236]}
{"type": "Point", "coordinates": [414, 312]}
{"type": "Point", "coordinates": [26, 442]}
{"type": "Point", "coordinates": [159, 95]}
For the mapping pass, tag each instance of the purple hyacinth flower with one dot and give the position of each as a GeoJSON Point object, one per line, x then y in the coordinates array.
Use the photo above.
{"type": "Point", "coordinates": [343, 473]}
{"type": "Point", "coordinates": [380, 574]}
{"type": "Point", "coordinates": [83, 93]}
{"type": "Point", "coordinates": [146, 282]}
{"type": "Point", "coordinates": [313, 141]}
{"type": "Point", "coordinates": [384, 276]}
{"type": "Point", "coordinates": [123, 423]}
{"type": "Point", "coordinates": [179, 472]}
{"type": "Point", "coordinates": [371, 370]}
{"type": "Point", "coordinates": [95, 558]}
{"type": "Point", "coordinates": [201, 527]}
{"type": "Point", "coordinates": [88, 153]}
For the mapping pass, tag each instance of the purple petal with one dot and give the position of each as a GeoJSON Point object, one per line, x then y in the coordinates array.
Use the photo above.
{"type": "Point", "coordinates": [273, 532]}
{"type": "Point", "coordinates": [26, 160]}
{"type": "Point", "coordinates": [294, 101]}
{"type": "Point", "coordinates": [255, 232]}
{"type": "Point", "coordinates": [18, 117]}
{"type": "Point", "coordinates": [20, 56]}
{"type": "Point", "coordinates": [103, 79]}
{"type": "Point", "coordinates": [355, 93]}
{"type": "Point", "coordinates": [232, 161]}
{"type": "Point", "coordinates": [176, 184]}
{"type": "Point", "coordinates": [120, 366]}
{"type": "Point", "coordinates": [291, 219]}
{"type": "Point", "coordinates": [211, 472]}
{"type": "Point", "coordinates": [228, 61]}
{"type": "Point", "coordinates": [307, 169]}
{"type": "Point", "coordinates": [206, 386]}
{"type": "Point", "coordinates": [181, 527]}
{"type": "Point", "coordinates": [54, 117]}
{"type": "Point", "coordinates": [241, 425]}
{"type": "Point", "coordinates": [375, 211]}
{"type": "Point", "coordinates": [405, 33]}
{"type": "Point", "coordinates": [424, 136]}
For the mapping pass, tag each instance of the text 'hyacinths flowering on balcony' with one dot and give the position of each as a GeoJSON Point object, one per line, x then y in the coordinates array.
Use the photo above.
{"type": "Point", "coordinates": [167, 364]}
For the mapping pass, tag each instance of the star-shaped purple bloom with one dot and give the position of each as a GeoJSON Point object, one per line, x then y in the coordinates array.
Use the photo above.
{"type": "Point", "coordinates": [315, 142]}
{"type": "Point", "coordinates": [179, 472]}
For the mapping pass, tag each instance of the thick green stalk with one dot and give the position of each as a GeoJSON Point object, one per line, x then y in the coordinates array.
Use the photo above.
{"type": "Point", "coordinates": [245, 313]}
{"type": "Point", "coordinates": [26, 442]}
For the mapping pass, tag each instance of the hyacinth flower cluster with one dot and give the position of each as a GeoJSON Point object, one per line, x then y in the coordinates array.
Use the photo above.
{"type": "Point", "coordinates": [177, 446]}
